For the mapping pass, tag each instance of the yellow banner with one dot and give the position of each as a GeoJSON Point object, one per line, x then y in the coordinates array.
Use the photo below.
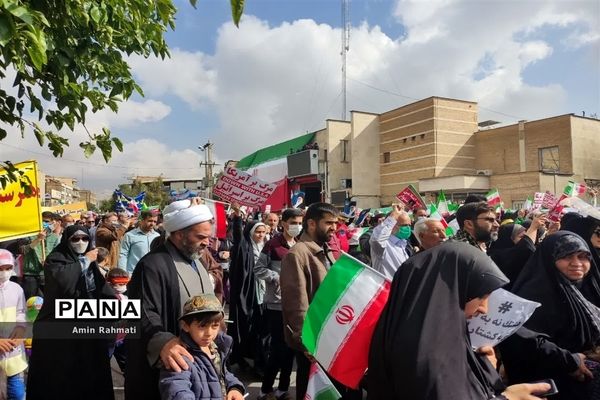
{"type": "Point", "coordinates": [73, 209]}
{"type": "Point", "coordinates": [20, 211]}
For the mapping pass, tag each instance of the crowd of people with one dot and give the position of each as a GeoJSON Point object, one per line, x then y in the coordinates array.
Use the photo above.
{"type": "Point", "coordinates": [211, 305]}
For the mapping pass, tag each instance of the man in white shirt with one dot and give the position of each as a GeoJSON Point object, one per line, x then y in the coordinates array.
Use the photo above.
{"type": "Point", "coordinates": [390, 244]}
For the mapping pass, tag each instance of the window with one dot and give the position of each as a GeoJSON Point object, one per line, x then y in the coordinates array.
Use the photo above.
{"type": "Point", "coordinates": [549, 159]}
{"type": "Point", "coordinates": [386, 157]}
{"type": "Point", "coordinates": [345, 152]}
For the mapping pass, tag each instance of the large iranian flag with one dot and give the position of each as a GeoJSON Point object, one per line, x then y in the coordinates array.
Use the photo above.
{"type": "Point", "coordinates": [341, 318]}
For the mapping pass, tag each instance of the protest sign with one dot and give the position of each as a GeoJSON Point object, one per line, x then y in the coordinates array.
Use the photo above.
{"type": "Point", "coordinates": [549, 200]}
{"type": "Point", "coordinates": [506, 313]}
{"type": "Point", "coordinates": [411, 198]}
{"type": "Point", "coordinates": [239, 187]}
{"type": "Point", "coordinates": [20, 212]}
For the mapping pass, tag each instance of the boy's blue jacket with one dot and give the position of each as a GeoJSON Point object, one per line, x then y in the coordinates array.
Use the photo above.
{"type": "Point", "coordinates": [200, 381]}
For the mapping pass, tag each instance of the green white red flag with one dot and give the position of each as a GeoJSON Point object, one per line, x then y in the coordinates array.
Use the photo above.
{"type": "Point", "coordinates": [341, 318]}
{"type": "Point", "coordinates": [574, 189]}
{"type": "Point", "coordinates": [493, 198]}
{"type": "Point", "coordinates": [320, 386]}
{"type": "Point", "coordinates": [442, 205]}
{"type": "Point", "coordinates": [434, 213]}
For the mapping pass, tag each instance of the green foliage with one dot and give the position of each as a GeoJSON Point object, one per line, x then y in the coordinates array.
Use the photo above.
{"type": "Point", "coordinates": [69, 59]}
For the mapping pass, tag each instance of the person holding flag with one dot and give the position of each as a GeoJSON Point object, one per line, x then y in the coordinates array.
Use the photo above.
{"type": "Point", "coordinates": [302, 271]}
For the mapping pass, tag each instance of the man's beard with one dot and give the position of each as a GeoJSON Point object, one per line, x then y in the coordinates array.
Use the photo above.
{"type": "Point", "coordinates": [192, 250]}
{"type": "Point", "coordinates": [322, 236]}
{"type": "Point", "coordinates": [481, 235]}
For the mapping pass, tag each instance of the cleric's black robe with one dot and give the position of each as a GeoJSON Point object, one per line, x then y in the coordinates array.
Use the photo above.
{"type": "Point", "coordinates": [64, 368]}
{"type": "Point", "coordinates": [156, 283]}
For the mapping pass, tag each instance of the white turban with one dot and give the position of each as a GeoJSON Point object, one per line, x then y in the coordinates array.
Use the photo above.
{"type": "Point", "coordinates": [181, 214]}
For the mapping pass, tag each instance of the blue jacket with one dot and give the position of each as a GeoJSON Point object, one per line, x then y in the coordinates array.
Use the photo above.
{"type": "Point", "coordinates": [200, 381]}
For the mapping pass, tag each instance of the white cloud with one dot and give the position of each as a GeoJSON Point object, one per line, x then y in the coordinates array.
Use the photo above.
{"type": "Point", "coordinates": [133, 113]}
{"type": "Point", "coordinates": [270, 83]}
{"type": "Point", "coordinates": [186, 75]}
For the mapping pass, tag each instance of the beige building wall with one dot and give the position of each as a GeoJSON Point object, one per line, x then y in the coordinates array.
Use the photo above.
{"type": "Point", "coordinates": [576, 138]}
{"type": "Point", "coordinates": [455, 127]}
{"type": "Point", "coordinates": [340, 165]}
{"type": "Point", "coordinates": [430, 138]}
{"type": "Point", "coordinates": [365, 159]}
{"type": "Point", "coordinates": [586, 146]}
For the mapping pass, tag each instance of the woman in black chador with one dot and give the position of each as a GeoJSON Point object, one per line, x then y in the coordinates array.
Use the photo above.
{"type": "Point", "coordinates": [420, 348]}
{"type": "Point", "coordinates": [563, 277]}
{"type": "Point", "coordinates": [70, 368]}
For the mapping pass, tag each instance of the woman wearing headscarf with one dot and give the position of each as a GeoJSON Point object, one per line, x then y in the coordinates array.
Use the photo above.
{"type": "Point", "coordinates": [420, 348]}
{"type": "Point", "coordinates": [64, 368]}
{"type": "Point", "coordinates": [588, 228]}
{"type": "Point", "coordinates": [246, 290]}
{"type": "Point", "coordinates": [514, 246]}
{"type": "Point", "coordinates": [562, 276]}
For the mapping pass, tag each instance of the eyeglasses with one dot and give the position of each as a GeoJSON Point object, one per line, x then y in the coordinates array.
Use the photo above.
{"type": "Point", "coordinates": [76, 239]}
{"type": "Point", "coordinates": [597, 232]}
{"type": "Point", "coordinates": [491, 220]}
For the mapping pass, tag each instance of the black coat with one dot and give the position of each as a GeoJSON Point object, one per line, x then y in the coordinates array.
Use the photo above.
{"type": "Point", "coordinates": [242, 297]}
{"type": "Point", "coordinates": [155, 281]}
{"type": "Point", "coordinates": [561, 327]}
{"type": "Point", "coordinates": [69, 368]}
{"type": "Point", "coordinates": [508, 256]}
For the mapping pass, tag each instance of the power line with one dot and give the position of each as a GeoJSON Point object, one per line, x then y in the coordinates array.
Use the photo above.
{"type": "Point", "coordinates": [415, 99]}
{"type": "Point", "coordinates": [91, 163]}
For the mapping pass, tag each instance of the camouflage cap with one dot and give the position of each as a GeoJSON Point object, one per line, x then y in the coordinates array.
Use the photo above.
{"type": "Point", "coordinates": [202, 303]}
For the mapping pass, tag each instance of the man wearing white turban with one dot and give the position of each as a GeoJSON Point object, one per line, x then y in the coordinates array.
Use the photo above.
{"type": "Point", "coordinates": [164, 280]}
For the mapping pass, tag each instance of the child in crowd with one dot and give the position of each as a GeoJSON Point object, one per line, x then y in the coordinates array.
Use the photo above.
{"type": "Point", "coordinates": [207, 377]}
{"type": "Point", "coordinates": [12, 309]}
{"type": "Point", "coordinates": [118, 278]}
{"type": "Point", "coordinates": [102, 261]}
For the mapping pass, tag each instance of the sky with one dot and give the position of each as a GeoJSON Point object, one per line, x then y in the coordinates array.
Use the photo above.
{"type": "Point", "coordinates": [278, 76]}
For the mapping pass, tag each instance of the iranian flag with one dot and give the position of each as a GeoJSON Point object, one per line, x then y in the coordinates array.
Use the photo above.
{"type": "Point", "coordinates": [217, 208]}
{"type": "Point", "coordinates": [319, 385]}
{"type": "Point", "coordinates": [341, 318]}
{"type": "Point", "coordinates": [434, 213]}
{"type": "Point", "coordinates": [442, 205]}
{"type": "Point", "coordinates": [574, 189]}
{"type": "Point", "coordinates": [493, 198]}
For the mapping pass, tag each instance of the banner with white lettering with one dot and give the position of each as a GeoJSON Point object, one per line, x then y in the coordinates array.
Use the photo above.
{"type": "Point", "coordinates": [506, 313]}
{"type": "Point", "coordinates": [237, 186]}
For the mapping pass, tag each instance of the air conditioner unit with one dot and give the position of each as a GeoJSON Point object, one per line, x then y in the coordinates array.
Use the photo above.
{"type": "Point", "coordinates": [486, 172]}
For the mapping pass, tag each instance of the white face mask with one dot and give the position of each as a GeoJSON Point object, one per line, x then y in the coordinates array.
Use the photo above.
{"type": "Point", "coordinates": [5, 275]}
{"type": "Point", "coordinates": [120, 288]}
{"type": "Point", "coordinates": [79, 247]}
{"type": "Point", "coordinates": [294, 230]}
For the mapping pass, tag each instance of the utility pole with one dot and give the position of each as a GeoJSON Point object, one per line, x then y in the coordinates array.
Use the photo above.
{"type": "Point", "coordinates": [345, 48]}
{"type": "Point", "coordinates": [208, 165]}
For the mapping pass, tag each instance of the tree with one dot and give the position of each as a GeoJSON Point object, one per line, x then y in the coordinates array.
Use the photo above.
{"type": "Point", "coordinates": [68, 57]}
{"type": "Point", "coordinates": [156, 194]}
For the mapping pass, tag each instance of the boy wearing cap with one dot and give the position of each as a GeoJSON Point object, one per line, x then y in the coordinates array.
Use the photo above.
{"type": "Point", "coordinates": [12, 309]}
{"type": "Point", "coordinates": [207, 377]}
